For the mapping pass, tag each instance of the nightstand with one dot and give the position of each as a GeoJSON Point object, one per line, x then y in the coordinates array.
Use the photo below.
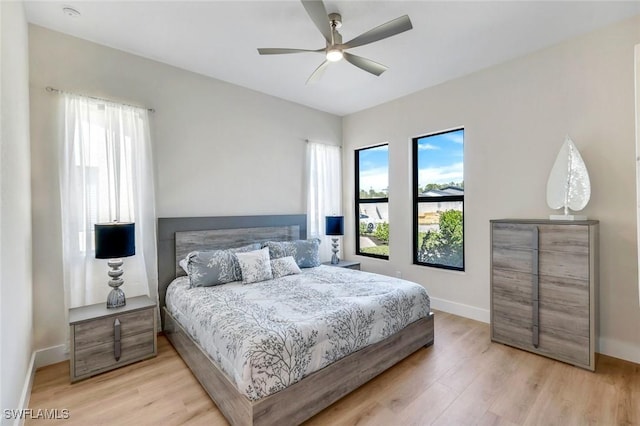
{"type": "Point", "coordinates": [349, 264]}
{"type": "Point", "coordinates": [103, 339]}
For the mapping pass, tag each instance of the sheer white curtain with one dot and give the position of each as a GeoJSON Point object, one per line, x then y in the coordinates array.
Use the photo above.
{"type": "Point", "coordinates": [324, 192]}
{"type": "Point", "coordinates": [106, 174]}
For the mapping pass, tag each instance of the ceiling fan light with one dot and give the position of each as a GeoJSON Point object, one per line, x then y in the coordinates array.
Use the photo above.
{"type": "Point", "coordinates": [334, 55]}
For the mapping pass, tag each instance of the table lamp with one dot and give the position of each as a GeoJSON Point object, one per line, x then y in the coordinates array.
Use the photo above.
{"type": "Point", "coordinates": [114, 241]}
{"type": "Point", "coordinates": [334, 226]}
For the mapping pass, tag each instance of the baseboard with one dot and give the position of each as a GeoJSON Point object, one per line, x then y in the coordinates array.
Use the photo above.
{"type": "Point", "coordinates": [51, 355]}
{"type": "Point", "coordinates": [617, 349]}
{"type": "Point", "coordinates": [472, 312]}
{"type": "Point", "coordinates": [39, 358]}
{"type": "Point", "coordinates": [26, 389]}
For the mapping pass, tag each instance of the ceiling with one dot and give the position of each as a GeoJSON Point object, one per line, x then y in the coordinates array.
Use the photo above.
{"type": "Point", "coordinates": [449, 39]}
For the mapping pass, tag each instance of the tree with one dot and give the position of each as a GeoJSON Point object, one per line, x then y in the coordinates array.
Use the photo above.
{"type": "Point", "coordinates": [430, 186]}
{"type": "Point", "coordinates": [372, 193]}
{"type": "Point", "coordinates": [444, 246]}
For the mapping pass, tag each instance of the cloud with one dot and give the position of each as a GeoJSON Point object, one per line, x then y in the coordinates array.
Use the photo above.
{"type": "Point", "coordinates": [455, 137]}
{"type": "Point", "coordinates": [425, 146]}
{"type": "Point", "coordinates": [445, 174]}
{"type": "Point", "coordinates": [378, 179]}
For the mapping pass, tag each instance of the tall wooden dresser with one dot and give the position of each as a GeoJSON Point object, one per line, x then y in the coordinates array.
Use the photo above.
{"type": "Point", "coordinates": [544, 285]}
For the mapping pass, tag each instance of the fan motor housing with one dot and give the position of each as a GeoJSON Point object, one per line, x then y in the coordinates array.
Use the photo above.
{"type": "Point", "coordinates": [335, 19]}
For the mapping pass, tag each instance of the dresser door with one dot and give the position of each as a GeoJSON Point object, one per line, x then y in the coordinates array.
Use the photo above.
{"type": "Point", "coordinates": [514, 265]}
{"type": "Point", "coordinates": [564, 292]}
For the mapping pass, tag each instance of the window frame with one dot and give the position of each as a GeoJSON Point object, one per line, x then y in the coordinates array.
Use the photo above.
{"type": "Point", "coordinates": [417, 199]}
{"type": "Point", "coordinates": [366, 200]}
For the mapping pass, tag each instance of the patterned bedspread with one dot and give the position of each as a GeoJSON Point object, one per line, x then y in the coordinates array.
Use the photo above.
{"type": "Point", "coordinates": [269, 335]}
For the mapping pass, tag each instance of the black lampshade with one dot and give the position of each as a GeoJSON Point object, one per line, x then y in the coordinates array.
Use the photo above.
{"type": "Point", "coordinates": [115, 240]}
{"type": "Point", "coordinates": [334, 225]}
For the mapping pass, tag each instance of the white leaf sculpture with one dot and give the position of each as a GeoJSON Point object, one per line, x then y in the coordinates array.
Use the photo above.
{"type": "Point", "coordinates": [568, 186]}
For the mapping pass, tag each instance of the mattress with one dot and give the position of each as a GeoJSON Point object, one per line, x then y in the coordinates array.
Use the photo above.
{"type": "Point", "coordinates": [268, 335]}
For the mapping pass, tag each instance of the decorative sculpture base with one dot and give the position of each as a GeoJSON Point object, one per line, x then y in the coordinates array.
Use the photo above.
{"type": "Point", "coordinates": [567, 217]}
{"type": "Point", "coordinates": [334, 259]}
{"type": "Point", "coordinates": [116, 298]}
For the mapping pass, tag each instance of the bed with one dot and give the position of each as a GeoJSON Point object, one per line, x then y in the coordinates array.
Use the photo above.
{"type": "Point", "coordinates": [298, 401]}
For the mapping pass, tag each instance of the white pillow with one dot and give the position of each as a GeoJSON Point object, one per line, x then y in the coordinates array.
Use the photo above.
{"type": "Point", "coordinates": [255, 266]}
{"type": "Point", "coordinates": [284, 266]}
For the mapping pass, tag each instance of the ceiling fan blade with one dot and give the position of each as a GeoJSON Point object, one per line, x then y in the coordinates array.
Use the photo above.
{"type": "Point", "coordinates": [318, 14]}
{"type": "Point", "coordinates": [391, 28]}
{"type": "Point", "coordinates": [315, 76]}
{"type": "Point", "coordinates": [281, 51]}
{"type": "Point", "coordinates": [365, 64]}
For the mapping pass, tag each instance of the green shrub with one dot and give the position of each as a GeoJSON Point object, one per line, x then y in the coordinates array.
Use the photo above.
{"type": "Point", "coordinates": [363, 228]}
{"type": "Point", "coordinates": [382, 232]}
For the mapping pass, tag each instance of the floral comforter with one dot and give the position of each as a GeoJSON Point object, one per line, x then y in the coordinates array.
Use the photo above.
{"type": "Point", "coordinates": [269, 335]}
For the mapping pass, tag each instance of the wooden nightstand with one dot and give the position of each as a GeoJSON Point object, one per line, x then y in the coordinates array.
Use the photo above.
{"type": "Point", "coordinates": [349, 264]}
{"type": "Point", "coordinates": [103, 339]}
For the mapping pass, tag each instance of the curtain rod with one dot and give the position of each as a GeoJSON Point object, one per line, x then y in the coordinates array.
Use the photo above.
{"type": "Point", "coordinates": [53, 89]}
{"type": "Point", "coordinates": [322, 143]}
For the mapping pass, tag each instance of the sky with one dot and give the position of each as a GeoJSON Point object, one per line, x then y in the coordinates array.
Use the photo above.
{"type": "Point", "coordinates": [440, 160]}
{"type": "Point", "coordinates": [374, 168]}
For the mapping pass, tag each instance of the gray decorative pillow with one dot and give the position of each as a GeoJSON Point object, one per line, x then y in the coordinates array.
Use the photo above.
{"type": "Point", "coordinates": [215, 267]}
{"type": "Point", "coordinates": [284, 266]}
{"type": "Point", "coordinates": [255, 266]}
{"type": "Point", "coordinates": [305, 252]}
{"type": "Point", "coordinates": [184, 264]}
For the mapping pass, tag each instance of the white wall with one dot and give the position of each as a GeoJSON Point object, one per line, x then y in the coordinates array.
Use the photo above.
{"type": "Point", "coordinates": [515, 117]}
{"type": "Point", "coordinates": [15, 207]}
{"type": "Point", "coordinates": [638, 149]}
{"type": "Point", "coordinates": [219, 149]}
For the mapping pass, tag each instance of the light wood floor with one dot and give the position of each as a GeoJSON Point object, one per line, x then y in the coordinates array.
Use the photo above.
{"type": "Point", "coordinates": [463, 379]}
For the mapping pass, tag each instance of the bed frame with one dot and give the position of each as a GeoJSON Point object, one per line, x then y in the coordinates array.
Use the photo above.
{"type": "Point", "coordinates": [300, 401]}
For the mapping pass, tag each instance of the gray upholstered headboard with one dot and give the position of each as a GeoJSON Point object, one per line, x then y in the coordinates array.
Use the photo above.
{"type": "Point", "coordinates": [178, 236]}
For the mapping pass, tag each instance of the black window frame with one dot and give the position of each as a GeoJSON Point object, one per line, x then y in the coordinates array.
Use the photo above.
{"type": "Point", "coordinates": [417, 199]}
{"type": "Point", "coordinates": [366, 200]}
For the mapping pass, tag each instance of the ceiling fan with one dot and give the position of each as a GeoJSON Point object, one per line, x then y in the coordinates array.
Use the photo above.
{"type": "Point", "coordinates": [335, 50]}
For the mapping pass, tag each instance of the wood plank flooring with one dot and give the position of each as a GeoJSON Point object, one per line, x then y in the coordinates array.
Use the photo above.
{"type": "Point", "coordinates": [463, 379]}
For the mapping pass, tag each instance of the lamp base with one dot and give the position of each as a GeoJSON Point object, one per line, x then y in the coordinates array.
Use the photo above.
{"type": "Point", "coordinates": [335, 259]}
{"type": "Point", "coordinates": [116, 299]}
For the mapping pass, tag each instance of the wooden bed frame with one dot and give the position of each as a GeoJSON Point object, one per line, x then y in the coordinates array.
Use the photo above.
{"type": "Point", "coordinates": [300, 401]}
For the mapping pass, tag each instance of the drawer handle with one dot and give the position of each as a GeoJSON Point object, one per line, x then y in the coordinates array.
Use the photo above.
{"type": "Point", "coordinates": [116, 339]}
{"type": "Point", "coordinates": [535, 289]}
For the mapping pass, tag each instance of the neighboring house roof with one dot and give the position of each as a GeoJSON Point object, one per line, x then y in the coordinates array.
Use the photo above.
{"type": "Point", "coordinates": [449, 190]}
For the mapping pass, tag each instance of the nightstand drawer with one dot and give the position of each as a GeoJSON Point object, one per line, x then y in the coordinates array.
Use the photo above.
{"type": "Point", "coordinates": [98, 331]}
{"type": "Point", "coordinates": [100, 357]}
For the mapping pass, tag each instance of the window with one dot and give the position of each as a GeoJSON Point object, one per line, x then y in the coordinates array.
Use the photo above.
{"type": "Point", "coordinates": [106, 174]}
{"type": "Point", "coordinates": [372, 201]}
{"type": "Point", "coordinates": [104, 165]}
{"type": "Point", "coordinates": [438, 187]}
{"type": "Point", "coordinates": [324, 191]}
